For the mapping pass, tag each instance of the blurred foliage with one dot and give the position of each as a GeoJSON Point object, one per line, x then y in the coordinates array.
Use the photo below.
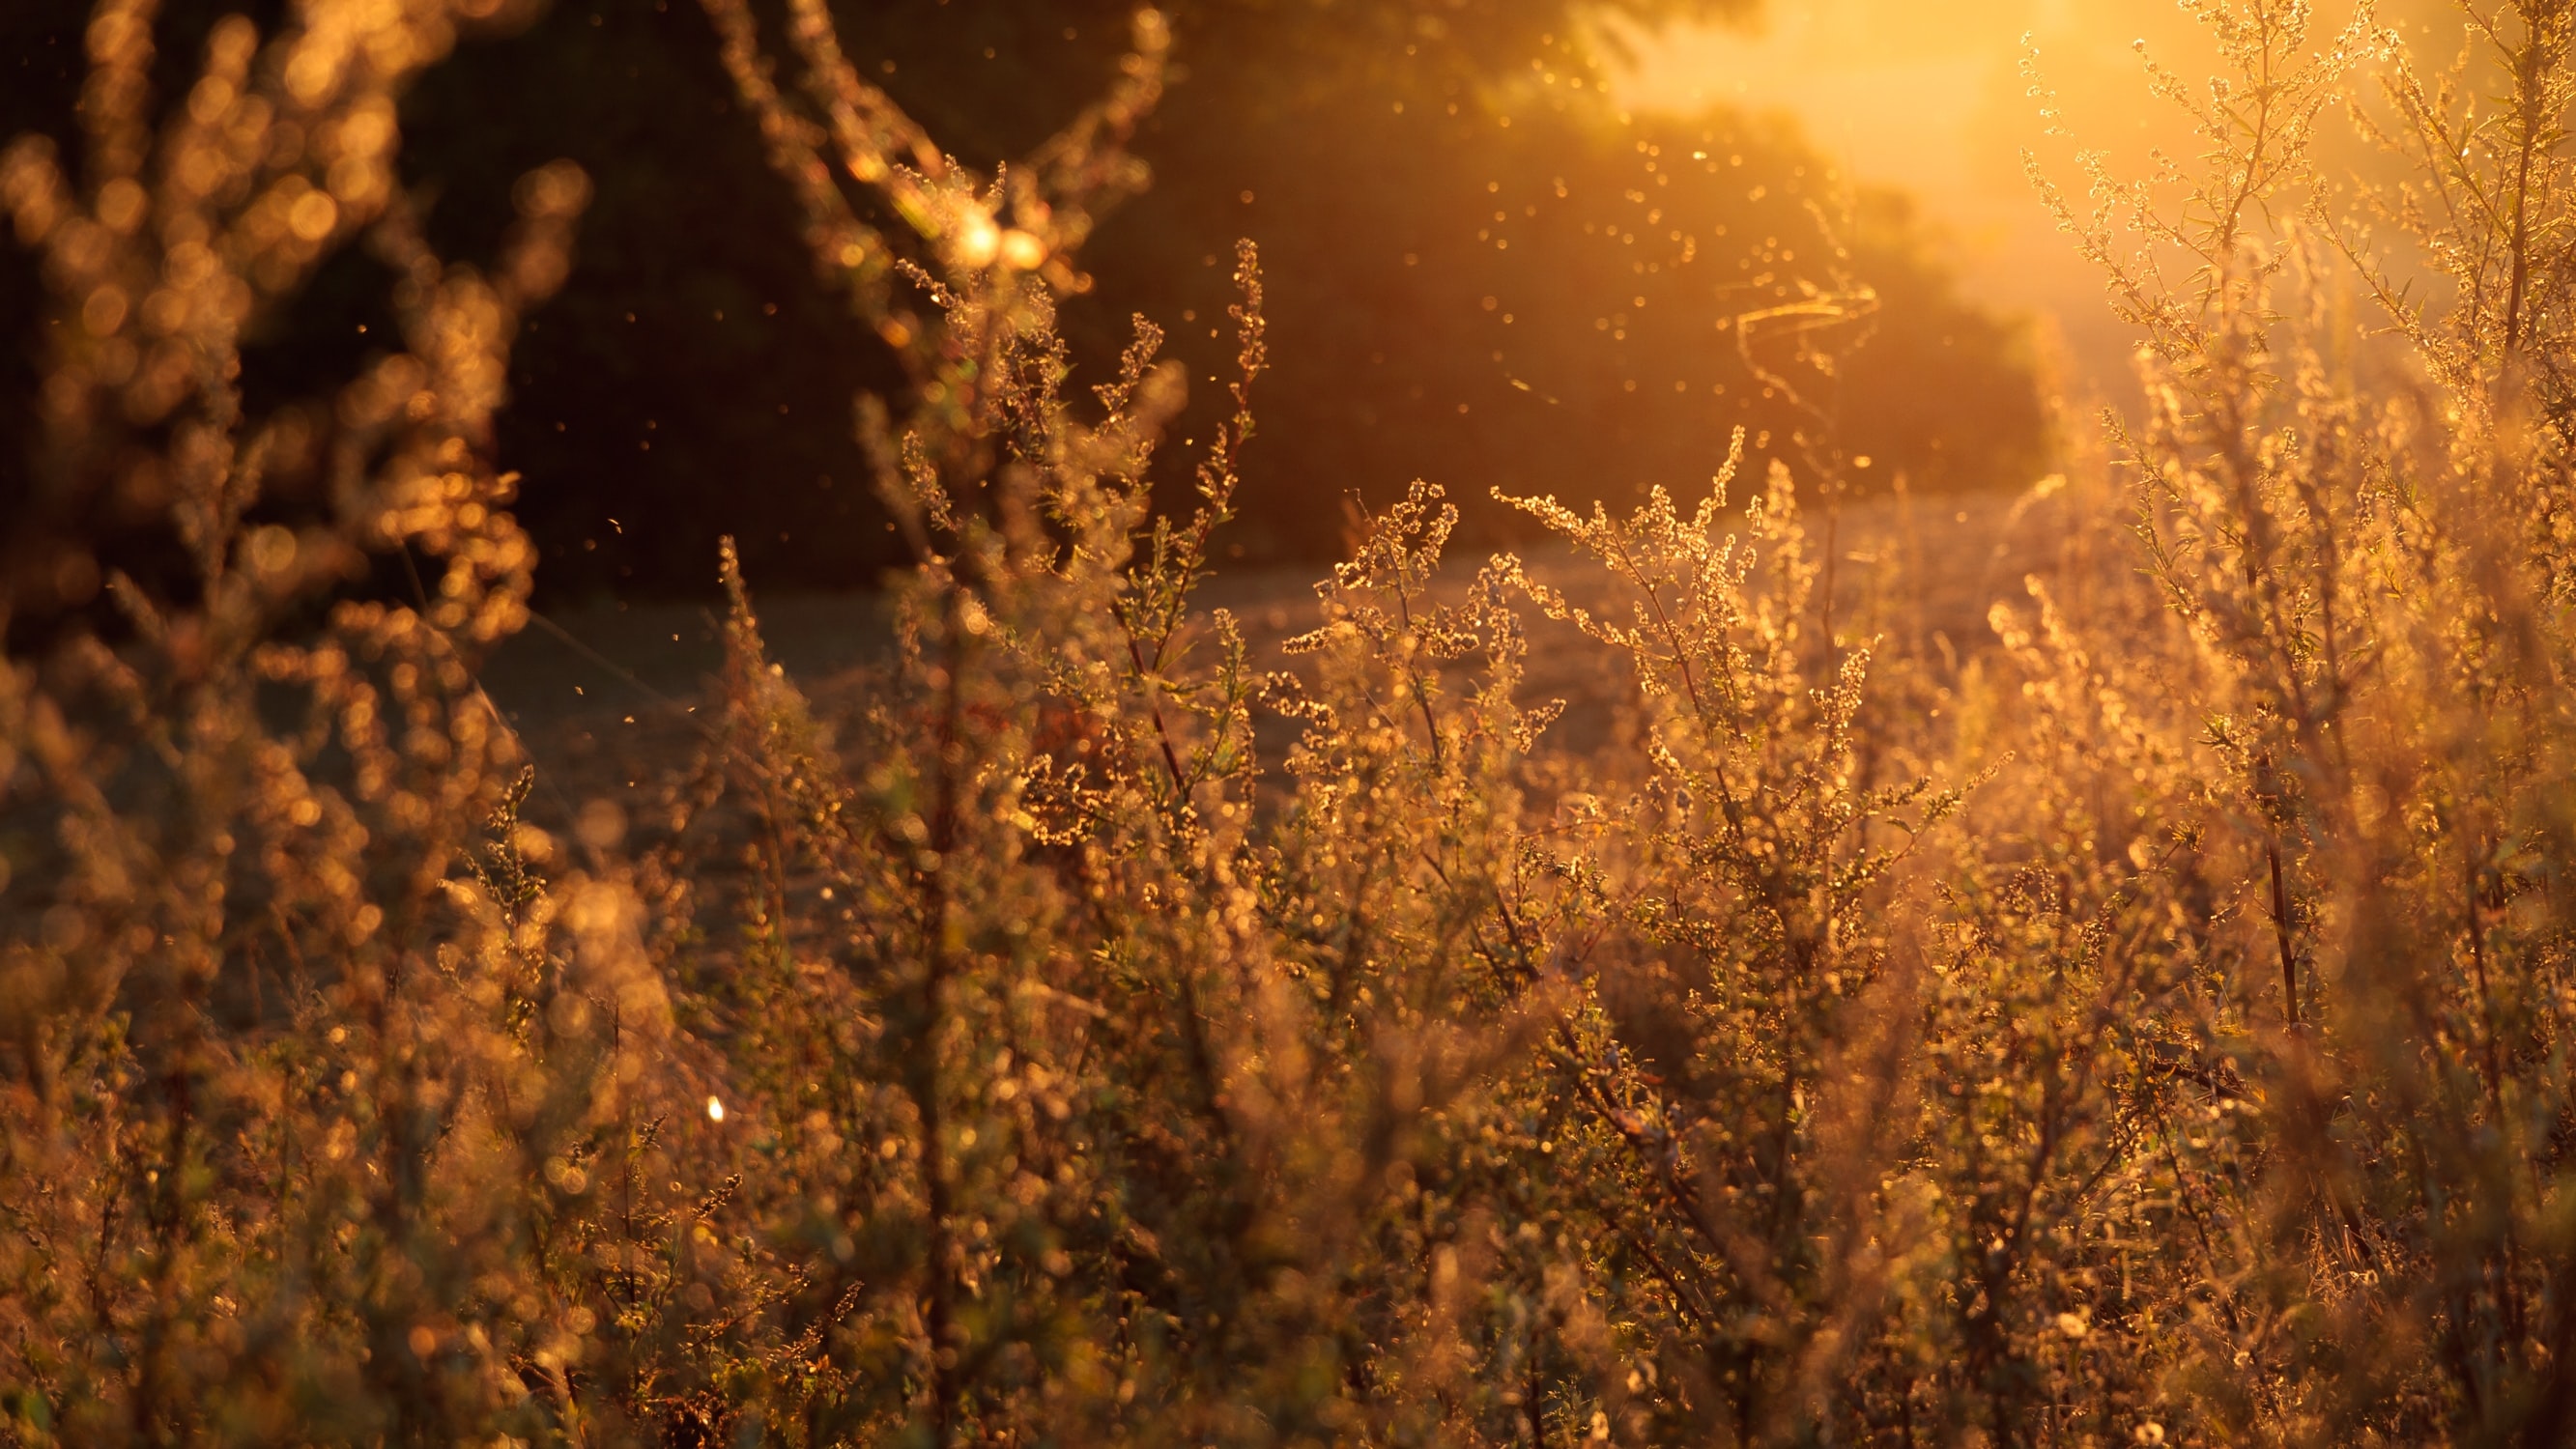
{"type": "Point", "coordinates": [2153, 1029]}
{"type": "Point", "coordinates": [694, 377]}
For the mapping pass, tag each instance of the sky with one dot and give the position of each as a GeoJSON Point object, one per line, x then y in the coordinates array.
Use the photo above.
{"type": "Point", "coordinates": [1928, 95]}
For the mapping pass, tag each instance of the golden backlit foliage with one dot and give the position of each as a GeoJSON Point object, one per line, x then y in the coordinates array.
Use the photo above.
{"type": "Point", "coordinates": [256, 1017]}
{"type": "Point", "coordinates": [2149, 1030]}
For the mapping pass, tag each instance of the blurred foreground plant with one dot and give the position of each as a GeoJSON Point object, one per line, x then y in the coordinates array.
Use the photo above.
{"type": "Point", "coordinates": [299, 1110]}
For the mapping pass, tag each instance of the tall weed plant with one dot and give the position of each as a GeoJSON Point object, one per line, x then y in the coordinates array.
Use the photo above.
{"type": "Point", "coordinates": [2152, 1030]}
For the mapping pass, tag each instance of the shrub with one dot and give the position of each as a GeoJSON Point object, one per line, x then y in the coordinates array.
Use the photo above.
{"type": "Point", "coordinates": [1089, 1035]}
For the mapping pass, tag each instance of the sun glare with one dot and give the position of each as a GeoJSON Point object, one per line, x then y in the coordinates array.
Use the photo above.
{"type": "Point", "coordinates": [1933, 99]}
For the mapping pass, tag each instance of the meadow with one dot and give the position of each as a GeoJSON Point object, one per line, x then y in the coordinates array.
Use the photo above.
{"type": "Point", "coordinates": [1774, 960]}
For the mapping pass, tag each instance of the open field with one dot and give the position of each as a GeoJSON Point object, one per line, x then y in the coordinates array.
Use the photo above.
{"type": "Point", "coordinates": [1922, 573]}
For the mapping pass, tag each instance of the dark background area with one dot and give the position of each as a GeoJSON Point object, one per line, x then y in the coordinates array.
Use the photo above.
{"type": "Point", "coordinates": [1480, 272]}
